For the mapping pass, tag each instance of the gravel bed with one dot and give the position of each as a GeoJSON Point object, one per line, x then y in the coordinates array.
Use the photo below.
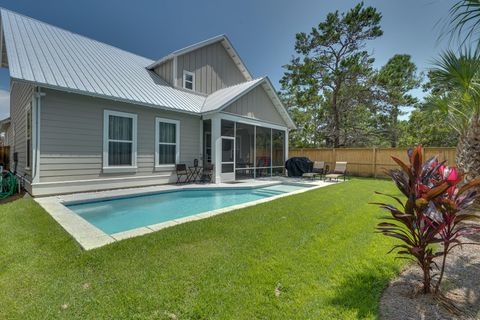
{"type": "Point", "coordinates": [460, 290]}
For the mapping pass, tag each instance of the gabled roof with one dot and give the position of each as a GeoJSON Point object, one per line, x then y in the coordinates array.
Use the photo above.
{"type": "Point", "coordinates": [51, 57]}
{"type": "Point", "coordinates": [223, 39]}
{"type": "Point", "coordinates": [222, 98]}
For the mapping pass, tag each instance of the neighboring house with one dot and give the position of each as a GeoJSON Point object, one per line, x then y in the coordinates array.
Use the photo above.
{"type": "Point", "coordinates": [5, 132]}
{"type": "Point", "coordinates": [88, 116]}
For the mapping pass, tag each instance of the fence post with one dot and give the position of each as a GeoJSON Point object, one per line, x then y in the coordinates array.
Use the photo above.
{"type": "Point", "coordinates": [374, 162]}
{"type": "Point", "coordinates": [334, 157]}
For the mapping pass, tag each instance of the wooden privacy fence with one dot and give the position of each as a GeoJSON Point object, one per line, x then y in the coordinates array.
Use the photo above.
{"type": "Point", "coordinates": [369, 162]}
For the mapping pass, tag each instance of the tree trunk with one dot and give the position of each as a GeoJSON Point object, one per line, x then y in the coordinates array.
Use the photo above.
{"type": "Point", "coordinates": [336, 119]}
{"type": "Point", "coordinates": [426, 280]}
{"type": "Point", "coordinates": [468, 151]}
{"type": "Point", "coordinates": [393, 128]}
{"type": "Point", "coordinates": [442, 268]}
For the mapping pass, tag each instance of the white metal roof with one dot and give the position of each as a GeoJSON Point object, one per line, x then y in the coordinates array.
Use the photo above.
{"type": "Point", "coordinates": [223, 97]}
{"type": "Point", "coordinates": [51, 57]}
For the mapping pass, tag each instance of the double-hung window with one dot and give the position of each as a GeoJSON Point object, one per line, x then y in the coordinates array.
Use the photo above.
{"type": "Point", "coordinates": [119, 141]}
{"type": "Point", "coordinates": [167, 142]}
{"type": "Point", "coordinates": [188, 80]}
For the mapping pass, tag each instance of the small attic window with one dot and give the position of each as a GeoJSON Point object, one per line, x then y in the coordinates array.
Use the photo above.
{"type": "Point", "coordinates": [188, 80]}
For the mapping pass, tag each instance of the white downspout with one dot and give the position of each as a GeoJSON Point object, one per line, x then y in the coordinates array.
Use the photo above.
{"type": "Point", "coordinates": [36, 132]}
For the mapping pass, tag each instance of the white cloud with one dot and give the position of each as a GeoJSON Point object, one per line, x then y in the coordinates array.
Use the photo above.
{"type": "Point", "coordinates": [4, 104]}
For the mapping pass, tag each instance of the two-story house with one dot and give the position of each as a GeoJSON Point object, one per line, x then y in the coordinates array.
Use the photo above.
{"type": "Point", "coordinates": [89, 116]}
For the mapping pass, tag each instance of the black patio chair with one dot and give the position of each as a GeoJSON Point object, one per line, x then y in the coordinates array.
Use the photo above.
{"type": "Point", "coordinates": [181, 171]}
{"type": "Point", "coordinates": [207, 173]}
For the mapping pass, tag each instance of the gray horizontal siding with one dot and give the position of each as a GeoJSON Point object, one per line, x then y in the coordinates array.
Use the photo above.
{"type": "Point", "coordinates": [20, 96]}
{"type": "Point", "coordinates": [213, 67]}
{"type": "Point", "coordinates": [257, 105]}
{"type": "Point", "coordinates": [71, 146]}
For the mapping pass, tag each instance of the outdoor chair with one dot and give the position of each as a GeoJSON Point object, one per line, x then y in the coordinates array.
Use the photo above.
{"type": "Point", "coordinates": [207, 173]}
{"type": "Point", "coordinates": [339, 171]}
{"type": "Point", "coordinates": [181, 171]}
{"type": "Point", "coordinates": [319, 169]}
{"type": "Point", "coordinates": [262, 166]}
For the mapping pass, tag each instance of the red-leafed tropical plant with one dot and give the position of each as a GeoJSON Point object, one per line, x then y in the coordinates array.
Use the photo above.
{"type": "Point", "coordinates": [432, 214]}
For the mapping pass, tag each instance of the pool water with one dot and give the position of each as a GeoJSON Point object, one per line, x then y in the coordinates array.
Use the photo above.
{"type": "Point", "coordinates": [122, 214]}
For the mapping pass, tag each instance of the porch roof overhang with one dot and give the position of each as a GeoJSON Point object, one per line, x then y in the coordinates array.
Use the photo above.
{"type": "Point", "coordinates": [221, 99]}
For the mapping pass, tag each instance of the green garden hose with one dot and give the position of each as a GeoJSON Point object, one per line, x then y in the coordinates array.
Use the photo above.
{"type": "Point", "coordinates": [9, 185]}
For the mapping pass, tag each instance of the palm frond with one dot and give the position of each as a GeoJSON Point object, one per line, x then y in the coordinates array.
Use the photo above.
{"type": "Point", "coordinates": [465, 20]}
{"type": "Point", "coordinates": [458, 78]}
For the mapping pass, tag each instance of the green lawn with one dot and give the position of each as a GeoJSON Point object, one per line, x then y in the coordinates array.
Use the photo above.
{"type": "Point", "coordinates": [318, 249]}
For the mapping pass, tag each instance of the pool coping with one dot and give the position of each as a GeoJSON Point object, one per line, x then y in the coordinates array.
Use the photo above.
{"type": "Point", "coordinates": [90, 237]}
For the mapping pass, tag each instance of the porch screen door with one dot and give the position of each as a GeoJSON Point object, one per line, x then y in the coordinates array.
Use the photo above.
{"type": "Point", "coordinates": [228, 158]}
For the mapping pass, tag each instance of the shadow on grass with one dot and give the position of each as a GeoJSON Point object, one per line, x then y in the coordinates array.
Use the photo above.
{"type": "Point", "coordinates": [360, 292]}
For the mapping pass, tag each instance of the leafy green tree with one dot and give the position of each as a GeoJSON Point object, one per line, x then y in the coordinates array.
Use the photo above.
{"type": "Point", "coordinates": [394, 82]}
{"type": "Point", "coordinates": [308, 120]}
{"type": "Point", "coordinates": [428, 127]}
{"type": "Point", "coordinates": [331, 56]}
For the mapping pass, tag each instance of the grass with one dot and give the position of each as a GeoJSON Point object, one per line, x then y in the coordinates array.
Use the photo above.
{"type": "Point", "coordinates": [312, 255]}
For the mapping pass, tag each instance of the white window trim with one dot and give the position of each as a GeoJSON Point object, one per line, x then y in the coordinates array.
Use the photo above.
{"type": "Point", "coordinates": [185, 72]}
{"type": "Point", "coordinates": [28, 108]}
{"type": "Point", "coordinates": [157, 142]}
{"type": "Point", "coordinates": [112, 169]}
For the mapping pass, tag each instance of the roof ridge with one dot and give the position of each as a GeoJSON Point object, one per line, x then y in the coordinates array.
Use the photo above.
{"type": "Point", "coordinates": [2, 9]}
{"type": "Point", "coordinates": [218, 37]}
{"type": "Point", "coordinates": [174, 53]}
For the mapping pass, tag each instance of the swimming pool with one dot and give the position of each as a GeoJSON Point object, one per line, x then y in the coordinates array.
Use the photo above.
{"type": "Point", "coordinates": [122, 214]}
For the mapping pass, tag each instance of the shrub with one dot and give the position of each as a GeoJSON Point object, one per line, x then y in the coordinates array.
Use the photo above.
{"type": "Point", "coordinates": [432, 214]}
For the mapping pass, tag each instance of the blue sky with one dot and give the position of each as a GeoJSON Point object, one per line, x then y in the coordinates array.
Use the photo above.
{"type": "Point", "coordinates": [262, 31]}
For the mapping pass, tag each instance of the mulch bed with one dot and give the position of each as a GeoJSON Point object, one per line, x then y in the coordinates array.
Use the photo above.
{"type": "Point", "coordinates": [460, 290]}
{"type": "Point", "coordinates": [14, 197]}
